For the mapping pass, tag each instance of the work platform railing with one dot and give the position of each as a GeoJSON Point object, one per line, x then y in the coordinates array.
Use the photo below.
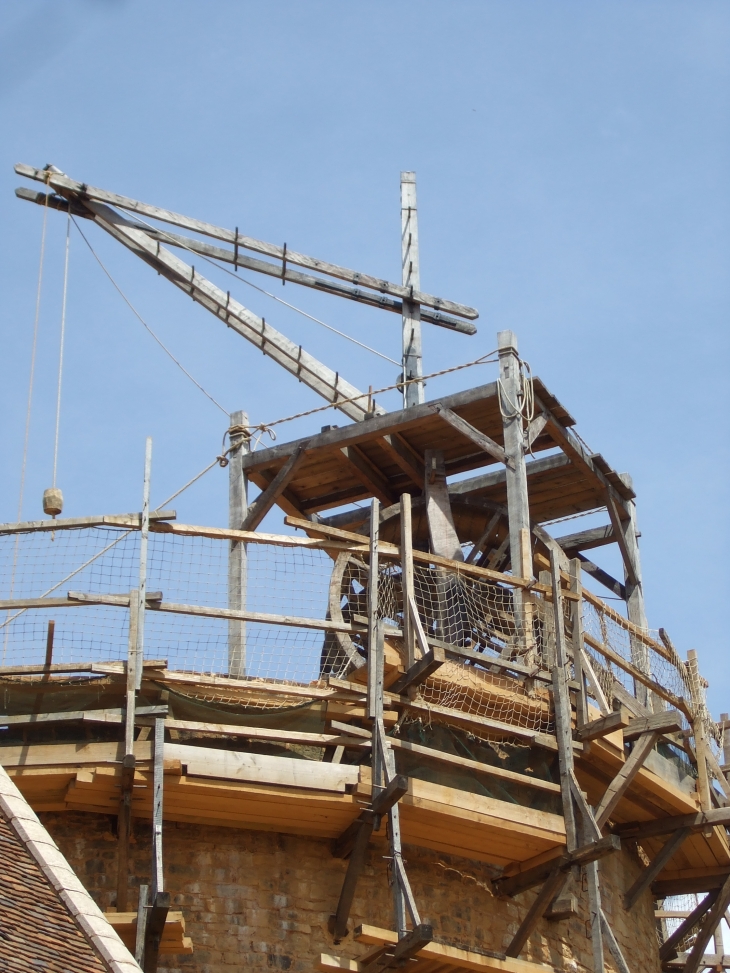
{"type": "Point", "coordinates": [302, 620]}
{"type": "Point", "coordinates": [536, 663]}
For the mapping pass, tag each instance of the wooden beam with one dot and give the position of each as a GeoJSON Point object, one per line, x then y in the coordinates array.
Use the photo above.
{"type": "Point", "coordinates": [601, 576]}
{"type": "Point", "coordinates": [535, 912]}
{"type": "Point", "coordinates": [128, 521]}
{"type": "Point", "coordinates": [369, 474]}
{"type": "Point", "coordinates": [441, 529]}
{"type": "Point", "coordinates": [668, 947]}
{"type": "Point", "coordinates": [618, 530]}
{"type": "Point", "coordinates": [412, 355]}
{"type": "Point", "coordinates": [154, 929]}
{"type": "Point", "coordinates": [518, 506]}
{"type": "Point", "coordinates": [700, 821]}
{"type": "Point", "coordinates": [585, 540]}
{"type": "Point", "coordinates": [666, 721]}
{"type": "Point", "coordinates": [621, 782]}
{"type": "Point", "coordinates": [390, 795]}
{"type": "Point", "coordinates": [531, 875]}
{"type": "Point", "coordinates": [650, 872]}
{"type": "Point", "coordinates": [407, 947]}
{"type": "Point", "coordinates": [603, 725]}
{"type": "Point", "coordinates": [534, 429]}
{"type": "Point", "coordinates": [82, 191]}
{"type": "Point", "coordinates": [268, 497]}
{"type": "Point", "coordinates": [407, 458]}
{"type": "Point", "coordinates": [307, 369]}
{"type": "Point", "coordinates": [355, 865]}
{"type": "Point", "coordinates": [419, 671]}
{"type": "Point", "coordinates": [709, 924]}
{"type": "Point", "coordinates": [473, 434]}
{"type": "Point", "coordinates": [481, 543]}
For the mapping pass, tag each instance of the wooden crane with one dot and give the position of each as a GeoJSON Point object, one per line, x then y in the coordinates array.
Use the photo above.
{"type": "Point", "coordinates": [146, 241]}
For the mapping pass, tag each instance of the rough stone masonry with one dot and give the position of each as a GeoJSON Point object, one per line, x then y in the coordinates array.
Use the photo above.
{"type": "Point", "coordinates": [255, 900]}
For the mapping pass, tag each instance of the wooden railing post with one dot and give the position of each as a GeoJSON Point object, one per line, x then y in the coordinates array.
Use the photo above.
{"type": "Point", "coordinates": [237, 552]}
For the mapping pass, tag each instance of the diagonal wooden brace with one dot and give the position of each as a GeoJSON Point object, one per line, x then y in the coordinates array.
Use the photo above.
{"type": "Point", "coordinates": [536, 912]}
{"type": "Point", "coordinates": [406, 948]}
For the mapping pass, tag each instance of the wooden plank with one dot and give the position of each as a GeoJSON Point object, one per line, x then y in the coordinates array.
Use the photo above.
{"type": "Point", "coordinates": [470, 432]}
{"type": "Point", "coordinates": [128, 521]}
{"type": "Point", "coordinates": [259, 537]}
{"type": "Point", "coordinates": [650, 872]}
{"type": "Point", "coordinates": [474, 766]}
{"type": "Point", "coordinates": [621, 782]}
{"type": "Point", "coordinates": [268, 497]}
{"type": "Point", "coordinates": [392, 550]}
{"type": "Point", "coordinates": [82, 191]}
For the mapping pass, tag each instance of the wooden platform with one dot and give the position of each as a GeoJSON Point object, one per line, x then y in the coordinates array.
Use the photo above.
{"type": "Point", "coordinates": [384, 456]}
{"type": "Point", "coordinates": [174, 942]}
{"type": "Point", "coordinates": [433, 958]}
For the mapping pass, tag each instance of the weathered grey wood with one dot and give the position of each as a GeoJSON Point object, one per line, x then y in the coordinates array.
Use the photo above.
{"type": "Point", "coordinates": [613, 945]}
{"type": "Point", "coordinates": [109, 715]}
{"type": "Point", "coordinates": [562, 708]}
{"type": "Point", "coordinates": [518, 507]}
{"type": "Point", "coordinates": [483, 540]}
{"type": "Point", "coordinates": [368, 474]}
{"type": "Point", "coordinates": [585, 540]}
{"type": "Point", "coordinates": [535, 912]}
{"type": "Point", "coordinates": [142, 914]}
{"type": "Point", "coordinates": [441, 529]}
{"type": "Point", "coordinates": [268, 340]}
{"type": "Point", "coordinates": [622, 541]}
{"type": "Point", "coordinates": [665, 721]}
{"type": "Point", "coordinates": [238, 441]}
{"type": "Point", "coordinates": [406, 560]}
{"type": "Point", "coordinates": [717, 817]}
{"type": "Point", "coordinates": [413, 394]}
{"type": "Point", "coordinates": [158, 764]}
{"type": "Point", "coordinates": [667, 949]}
{"type": "Point", "coordinates": [620, 784]}
{"type": "Point", "coordinates": [406, 457]}
{"type": "Point", "coordinates": [268, 497]}
{"type": "Point", "coordinates": [124, 827]}
{"type": "Point", "coordinates": [601, 576]}
{"type": "Point", "coordinates": [355, 865]}
{"type": "Point", "coordinates": [650, 872]}
{"type": "Point", "coordinates": [595, 685]}
{"type": "Point", "coordinates": [603, 725]}
{"type": "Point", "coordinates": [699, 714]}
{"type": "Point", "coordinates": [131, 672]}
{"type": "Point", "coordinates": [576, 616]}
{"type": "Point", "coordinates": [375, 694]}
{"type": "Point", "coordinates": [470, 432]}
{"type": "Point", "coordinates": [419, 671]}
{"type": "Point", "coordinates": [153, 933]}
{"type": "Point", "coordinates": [81, 192]}
{"type": "Point", "coordinates": [532, 875]}
{"type": "Point", "coordinates": [408, 945]}
{"type": "Point", "coordinates": [595, 911]}
{"type": "Point", "coordinates": [709, 924]}
{"type": "Point", "coordinates": [485, 481]}
{"type": "Point", "coordinates": [144, 532]}
{"type": "Point", "coordinates": [128, 521]}
{"type": "Point", "coordinates": [417, 626]}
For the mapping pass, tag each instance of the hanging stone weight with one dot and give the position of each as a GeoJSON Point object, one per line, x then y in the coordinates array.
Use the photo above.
{"type": "Point", "coordinates": [52, 502]}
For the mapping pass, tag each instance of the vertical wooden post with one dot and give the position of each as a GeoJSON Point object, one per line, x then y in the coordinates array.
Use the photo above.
{"type": "Point", "coordinates": [518, 509]}
{"type": "Point", "coordinates": [576, 587]}
{"type": "Point", "coordinates": [699, 713]}
{"type": "Point", "coordinates": [725, 721]}
{"type": "Point", "coordinates": [635, 607]}
{"type": "Point", "coordinates": [412, 348]}
{"type": "Point", "coordinates": [124, 816]}
{"type": "Point", "coordinates": [237, 554]}
{"type": "Point", "coordinates": [143, 541]}
{"type": "Point", "coordinates": [406, 557]}
{"type": "Point", "coordinates": [141, 924]}
{"type": "Point", "coordinates": [561, 702]}
{"type": "Point", "coordinates": [373, 628]}
{"type": "Point", "coordinates": [158, 772]}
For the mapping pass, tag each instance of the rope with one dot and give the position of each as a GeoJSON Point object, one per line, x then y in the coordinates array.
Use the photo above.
{"type": "Point", "coordinates": [144, 324]}
{"type": "Point", "coordinates": [33, 359]}
{"type": "Point", "coordinates": [273, 297]}
{"type": "Point", "coordinates": [60, 354]}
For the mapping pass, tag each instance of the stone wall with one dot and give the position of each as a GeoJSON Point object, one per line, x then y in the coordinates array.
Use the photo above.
{"type": "Point", "coordinates": [255, 900]}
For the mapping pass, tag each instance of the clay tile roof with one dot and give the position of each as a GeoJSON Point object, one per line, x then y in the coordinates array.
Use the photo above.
{"type": "Point", "coordinates": [48, 921]}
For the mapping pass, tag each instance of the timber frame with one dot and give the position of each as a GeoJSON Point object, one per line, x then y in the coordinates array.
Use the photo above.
{"type": "Point", "coordinates": [604, 716]}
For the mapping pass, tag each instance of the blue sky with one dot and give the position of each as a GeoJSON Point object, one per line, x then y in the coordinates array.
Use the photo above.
{"type": "Point", "coordinates": [572, 163]}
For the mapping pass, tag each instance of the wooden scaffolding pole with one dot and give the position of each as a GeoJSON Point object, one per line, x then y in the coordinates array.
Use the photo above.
{"type": "Point", "coordinates": [237, 554]}
{"type": "Point", "coordinates": [412, 346]}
